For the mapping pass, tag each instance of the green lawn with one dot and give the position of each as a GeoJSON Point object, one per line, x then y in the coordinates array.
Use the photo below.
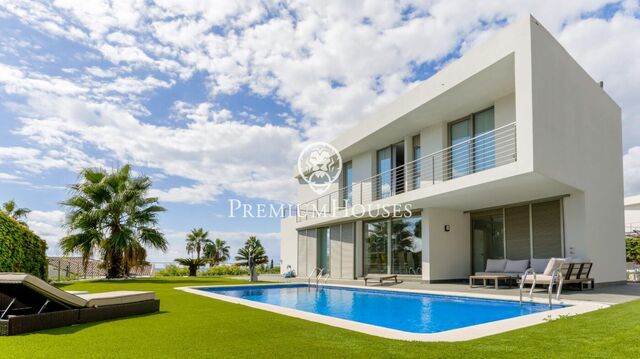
{"type": "Point", "coordinates": [192, 326]}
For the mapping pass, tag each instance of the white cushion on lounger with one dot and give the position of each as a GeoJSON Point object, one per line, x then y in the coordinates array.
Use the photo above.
{"type": "Point", "coordinates": [495, 265]}
{"type": "Point", "coordinates": [539, 264]}
{"type": "Point", "coordinates": [519, 266]}
{"type": "Point", "coordinates": [117, 297]}
{"type": "Point", "coordinates": [554, 263]}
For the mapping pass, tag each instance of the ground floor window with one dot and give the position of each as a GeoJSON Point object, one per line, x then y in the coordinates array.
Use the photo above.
{"type": "Point", "coordinates": [324, 250]}
{"type": "Point", "coordinates": [533, 230]}
{"type": "Point", "coordinates": [393, 246]}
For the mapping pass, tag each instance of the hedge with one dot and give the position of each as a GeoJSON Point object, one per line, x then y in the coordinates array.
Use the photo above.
{"type": "Point", "coordinates": [21, 250]}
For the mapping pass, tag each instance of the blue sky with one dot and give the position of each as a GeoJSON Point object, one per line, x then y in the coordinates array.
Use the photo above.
{"type": "Point", "coordinates": [214, 101]}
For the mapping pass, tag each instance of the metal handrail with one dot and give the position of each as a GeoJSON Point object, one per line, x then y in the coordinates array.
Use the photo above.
{"type": "Point", "coordinates": [556, 279]}
{"type": "Point", "coordinates": [488, 150]}
{"type": "Point", "coordinates": [312, 274]}
{"type": "Point", "coordinates": [319, 276]}
{"type": "Point", "coordinates": [326, 279]}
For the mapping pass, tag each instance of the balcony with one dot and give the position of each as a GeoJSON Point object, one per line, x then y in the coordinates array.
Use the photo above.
{"type": "Point", "coordinates": [485, 151]}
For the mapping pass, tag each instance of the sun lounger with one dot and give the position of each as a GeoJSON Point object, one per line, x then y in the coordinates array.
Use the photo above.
{"type": "Point", "coordinates": [28, 303]}
{"type": "Point", "coordinates": [380, 278]}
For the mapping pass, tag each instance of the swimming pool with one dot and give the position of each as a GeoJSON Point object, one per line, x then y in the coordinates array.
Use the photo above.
{"type": "Point", "coordinates": [419, 313]}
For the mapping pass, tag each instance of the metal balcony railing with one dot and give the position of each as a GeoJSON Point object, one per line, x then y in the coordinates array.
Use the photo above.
{"type": "Point", "coordinates": [485, 151]}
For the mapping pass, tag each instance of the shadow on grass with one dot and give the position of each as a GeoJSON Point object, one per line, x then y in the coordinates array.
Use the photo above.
{"type": "Point", "coordinates": [80, 327]}
{"type": "Point", "coordinates": [195, 281]}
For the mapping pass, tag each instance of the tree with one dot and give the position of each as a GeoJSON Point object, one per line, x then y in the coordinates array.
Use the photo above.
{"type": "Point", "coordinates": [197, 240]}
{"type": "Point", "coordinates": [633, 249]}
{"type": "Point", "coordinates": [251, 256]}
{"type": "Point", "coordinates": [217, 251]}
{"type": "Point", "coordinates": [111, 214]}
{"type": "Point", "coordinates": [12, 210]}
{"type": "Point", "coordinates": [192, 263]}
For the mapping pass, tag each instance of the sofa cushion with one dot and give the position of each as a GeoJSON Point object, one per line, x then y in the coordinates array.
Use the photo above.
{"type": "Point", "coordinates": [496, 265]}
{"type": "Point", "coordinates": [519, 266]}
{"type": "Point", "coordinates": [554, 263]}
{"type": "Point", "coordinates": [539, 264]}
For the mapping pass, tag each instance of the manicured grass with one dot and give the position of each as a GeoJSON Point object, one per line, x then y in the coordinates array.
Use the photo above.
{"type": "Point", "coordinates": [192, 326]}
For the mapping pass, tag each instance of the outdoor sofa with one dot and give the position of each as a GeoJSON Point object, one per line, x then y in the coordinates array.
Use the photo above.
{"type": "Point", "coordinates": [28, 303]}
{"type": "Point", "coordinates": [572, 270]}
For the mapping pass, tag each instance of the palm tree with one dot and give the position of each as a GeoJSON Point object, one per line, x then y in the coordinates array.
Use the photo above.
{"type": "Point", "coordinates": [110, 213]}
{"type": "Point", "coordinates": [252, 255]}
{"type": "Point", "coordinates": [217, 252]}
{"type": "Point", "coordinates": [192, 263]}
{"type": "Point", "coordinates": [12, 210]}
{"type": "Point", "coordinates": [197, 240]}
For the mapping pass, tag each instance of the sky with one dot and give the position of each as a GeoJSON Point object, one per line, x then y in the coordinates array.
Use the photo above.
{"type": "Point", "coordinates": [213, 100]}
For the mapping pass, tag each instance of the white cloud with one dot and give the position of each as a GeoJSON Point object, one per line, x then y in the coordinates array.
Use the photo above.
{"type": "Point", "coordinates": [332, 62]}
{"type": "Point", "coordinates": [7, 177]}
{"type": "Point", "coordinates": [49, 226]}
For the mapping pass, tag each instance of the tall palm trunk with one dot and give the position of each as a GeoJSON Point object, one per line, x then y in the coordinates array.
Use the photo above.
{"type": "Point", "coordinates": [115, 264]}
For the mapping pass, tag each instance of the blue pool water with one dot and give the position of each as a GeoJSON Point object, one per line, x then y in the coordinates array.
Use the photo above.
{"type": "Point", "coordinates": [409, 312]}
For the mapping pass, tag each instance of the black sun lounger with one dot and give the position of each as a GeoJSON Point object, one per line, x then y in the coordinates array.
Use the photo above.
{"type": "Point", "coordinates": [28, 303]}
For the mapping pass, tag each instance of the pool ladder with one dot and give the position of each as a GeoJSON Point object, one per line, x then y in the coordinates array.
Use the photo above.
{"type": "Point", "coordinates": [318, 273]}
{"type": "Point", "coordinates": [556, 279]}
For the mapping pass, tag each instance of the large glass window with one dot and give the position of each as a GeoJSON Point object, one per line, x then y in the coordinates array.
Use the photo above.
{"type": "Point", "coordinates": [533, 230]}
{"type": "Point", "coordinates": [406, 245]}
{"type": "Point", "coordinates": [488, 238]}
{"type": "Point", "coordinates": [484, 146]}
{"type": "Point", "coordinates": [467, 155]}
{"type": "Point", "coordinates": [390, 179]}
{"type": "Point", "coordinates": [460, 133]}
{"type": "Point", "coordinates": [416, 170]}
{"type": "Point", "coordinates": [394, 246]}
{"type": "Point", "coordinates": [347, 181]}
{"type": "Point", "coordinates": [324, 249]}
{"type": "Point", "coordinates": [376, 258]}
{"type": "Point", "coordinates": [383, 180]}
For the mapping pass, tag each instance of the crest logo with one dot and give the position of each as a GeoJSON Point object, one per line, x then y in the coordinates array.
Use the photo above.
{"type": "Point", "coordinates": [319, 164]}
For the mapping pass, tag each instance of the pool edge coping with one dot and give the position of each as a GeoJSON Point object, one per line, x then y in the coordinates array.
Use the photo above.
{"type": "Point", "coordinates": [452, 335]}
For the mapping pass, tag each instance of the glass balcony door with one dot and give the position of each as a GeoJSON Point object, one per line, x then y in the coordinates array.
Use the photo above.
{"type": "Point", "coordinates": [390, 179]}
{"type": "Point", "coordinates": [473, 149]}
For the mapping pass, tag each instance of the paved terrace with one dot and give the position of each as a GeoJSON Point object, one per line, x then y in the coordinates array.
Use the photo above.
{"type": "Point", "coordinates": [613, 294]}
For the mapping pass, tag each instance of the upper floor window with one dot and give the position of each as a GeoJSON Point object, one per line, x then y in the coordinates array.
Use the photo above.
{"type": "Point", "coordinates": [470, 152]}
{"type": "Point", "coordinates": [347, 181]}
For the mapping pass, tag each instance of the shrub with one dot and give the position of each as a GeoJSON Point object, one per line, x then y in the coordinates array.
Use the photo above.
{"type": "Point", "coordinates": [173, 270]}
{"type": "Point", "coordinates": [21, 250]}
{"type": "Point", "coordinates": [224, 270]}
{"type": "Point", "coordinates": [266, 270]}
{"type": "Point", "coordinates": [633, 249]}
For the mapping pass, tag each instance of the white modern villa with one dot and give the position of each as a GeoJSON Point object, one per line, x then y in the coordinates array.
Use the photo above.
{"type": "Point", "coordinates": [632, 215]}
{"type": "Point", "coordinates": [512, 151]}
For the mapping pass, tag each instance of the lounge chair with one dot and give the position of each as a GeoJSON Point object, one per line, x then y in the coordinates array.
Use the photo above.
{"type": "Point", "coordinates": [380, 278]}
{"type": "Point", "coordinates": [28, 303]}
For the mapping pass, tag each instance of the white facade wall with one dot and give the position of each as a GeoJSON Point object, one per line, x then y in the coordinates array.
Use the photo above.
{"type": "Point", "coordinates": [288, 244]}
{"type": "Point", "coordinates": [445, 255]}
{"type": "Point", "coordinates": [577, 131]}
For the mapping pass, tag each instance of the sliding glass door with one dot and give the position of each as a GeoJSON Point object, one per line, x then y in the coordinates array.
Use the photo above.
{"type": "Point", "coordinates": [390, 179]}
{"type": "Point", "coordinates": [324, 249]}
{"type": "Point", "coordinates": [473, 147]}
{"type": "Point", "coordinates": [376, 247]}
{"type": "Point", "coordinates": [487, 238]}
{"type": "Point", "coordinates": [393, 246]}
